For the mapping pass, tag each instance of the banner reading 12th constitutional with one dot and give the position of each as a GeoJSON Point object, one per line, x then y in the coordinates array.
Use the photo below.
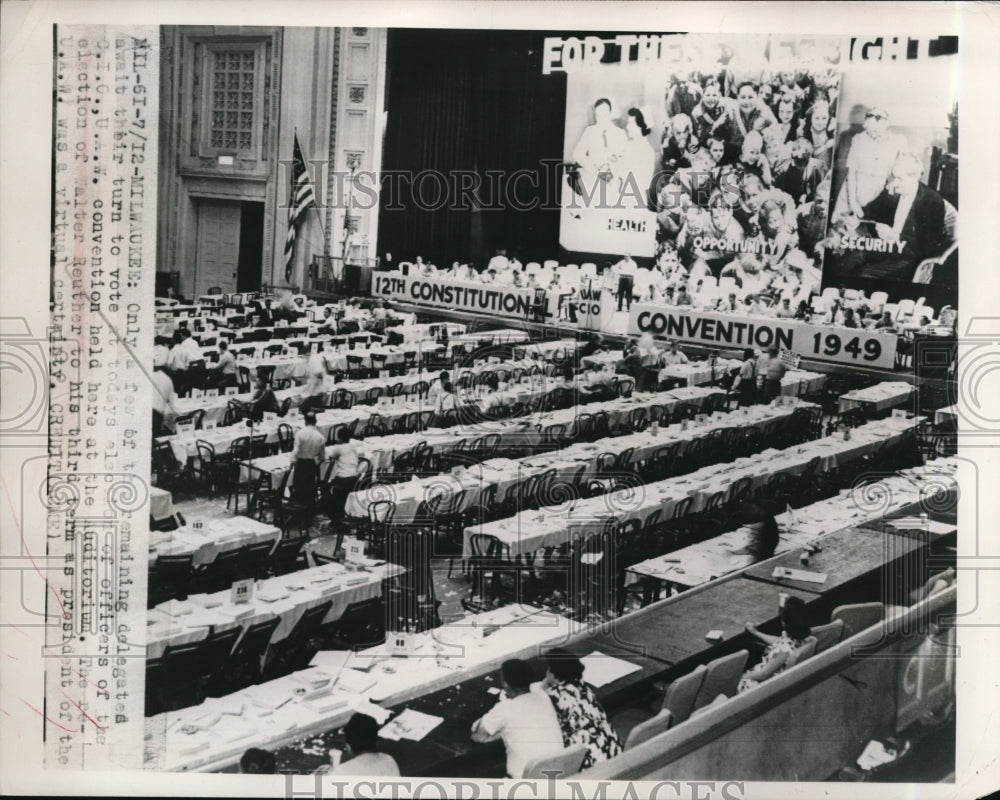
{"type": "Point", "coordinates": [823, 343]}
{"type": "Point", "coordinates": [502, 301]}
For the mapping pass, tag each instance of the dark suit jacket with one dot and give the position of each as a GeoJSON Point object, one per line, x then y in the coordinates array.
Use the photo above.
{"type": "Point", "coordinates": [266, 401]}
{"type": "Point", "coordinates": [923, 231]}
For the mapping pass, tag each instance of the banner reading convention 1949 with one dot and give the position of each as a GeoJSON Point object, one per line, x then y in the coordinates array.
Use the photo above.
{"type": "Point", "coordinates": [843, 345]}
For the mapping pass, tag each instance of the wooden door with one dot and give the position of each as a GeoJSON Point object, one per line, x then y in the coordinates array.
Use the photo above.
{"type": "Point", "coordinates": [218, 246]}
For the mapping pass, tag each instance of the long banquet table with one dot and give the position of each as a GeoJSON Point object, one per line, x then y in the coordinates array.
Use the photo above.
{"type": "Point", "coordinates": [704, 561]}
{"type": "Point", "coordinates": [382, 451]}
{"type": "Point", "coordinates": [286, 596]}
{"type": "Point", "coordinates": [506, 474]}
{"type": "Point", "coordinates": [205, 539]}
{"type": "Point", "coordinates": [556, 525]}
{"type": "Point", "coordinates": [879, 397]}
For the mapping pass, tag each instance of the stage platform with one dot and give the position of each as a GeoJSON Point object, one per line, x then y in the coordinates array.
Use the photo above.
{"type": "Point", "coordinates": [614, 332]}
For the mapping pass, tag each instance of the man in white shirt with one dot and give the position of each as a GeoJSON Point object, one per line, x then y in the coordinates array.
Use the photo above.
{"type": "Point", "coordinates": [674, 356]}
{"type": "Point", "coordinates": [307, 453]}
{"type": "Point", "coordinates": [361, 733]}
{"type": "Point", "coordinates": [525, 720]}
{"type": "Point", "coordinates": [785, 310]}
{"type": "Point", "coordinates": [626, 278]}
{"type": "Point", "coordinates": [467, 272]}
{"type": "Point", "coordinates": [343, 474]}
{"type": "Point", "coordinates": [164, 398]}
{"type": "Point", "coordinates": [499, 262]}
{"type": "Point", "coordinates": [437, 386]}
{"type": "Point", "coordinates": [179, 357]}
{"type": "Point", "coordinates": [191, 346]}
{"type": "Point", "coordinates": [224, 372]}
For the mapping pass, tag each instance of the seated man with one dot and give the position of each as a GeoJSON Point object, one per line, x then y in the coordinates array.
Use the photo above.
{"type": "Point", "coordinates": [673, 356]}
{"type": "Point", "coordinates": [785, 310]}
{"type": "Point", "coordinates": [886, 324]}
{"type": "Point", "coordinates": [914, 226]}
{"type": "Point", "coordinates": [525, 720]}
{"type": "Point", "coordinates": [361, 733]}
{"type": "Point", "coordinates": [224, 372]}
{"type": "Point", "coordinates": [264, 401]}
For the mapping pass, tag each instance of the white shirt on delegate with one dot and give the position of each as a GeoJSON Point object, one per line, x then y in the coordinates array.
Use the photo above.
{"type": "Point", "coordinates": [193, 349]}
{"type": "Point", "coordinates": [529, 727]}
{"type": "Point", "coordinates": [626, 267]}
{"type": "Point", "coordinates": [498, 263]}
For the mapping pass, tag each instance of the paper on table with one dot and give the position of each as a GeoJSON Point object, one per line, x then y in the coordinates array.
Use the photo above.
{"type": "Point", "coordinates": [916, 522]}
{"type": "Point", "coordinates": [331, 661]}
{"type": "Point", "coordinates": [412, 725]}
{"type": "Point", "coordinates": [351, 680]}
{"type": "Point", "coordinates": [600, 669]}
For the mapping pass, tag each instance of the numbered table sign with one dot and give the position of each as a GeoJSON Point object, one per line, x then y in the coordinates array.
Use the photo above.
{"type": "Point", "coordinates": [354, 548]}
{"type": "Point", "coordinates": [241, 592]}
{"type": "Point", "coordinates": [399, 643]}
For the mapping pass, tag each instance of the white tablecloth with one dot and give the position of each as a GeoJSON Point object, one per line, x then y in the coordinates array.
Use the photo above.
{"type": "Point", "coordinates": [556, 525]}
{"type": "Point", "coordinates": [705, 561]}
{"type": "Point", "coordinates": [382, 451]}
{"type": "Point", "coordinates": [506, 474]}
{"type": "Point", "coordinates": [421, 332]}
{"type": "Point", "coordinates": [161, 503]}
{"type": "Point", "coordinates": [179, 622]}
{"type": "Point", "coordinates": [697, 373]}
{"type": "Point", "coordinates": [276, 712]}
{"type": "Point", "coordinates": [878, 397]}
{"type": "Point", "coordinates": [205, 539]}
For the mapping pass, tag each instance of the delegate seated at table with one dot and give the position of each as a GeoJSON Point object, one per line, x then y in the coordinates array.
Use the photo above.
{"type": "Point", "coordinates": [581, 716]}
{"type": "Point", "coordinates": [673, 356]}
{"type": "Point", "coordinates": [526, 721]}
{"type": "Point", "coordinates": [794, 630]}
{"type": "Point", "coordinates": [264, 400]}
{"type": "Point", "coordinates": [224, 372]}
{"type": "Point", "coordinates": [361, 733]}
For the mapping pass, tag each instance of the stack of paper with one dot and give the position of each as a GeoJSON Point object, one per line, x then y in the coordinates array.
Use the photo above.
{"type": "Point", "coordinates": [600, 669]}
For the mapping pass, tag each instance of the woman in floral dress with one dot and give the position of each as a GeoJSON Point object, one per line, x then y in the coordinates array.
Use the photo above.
{"type": "Point", "coordinates": [794, 630]}
{"type": "Point", "coordinates": [581, 717]}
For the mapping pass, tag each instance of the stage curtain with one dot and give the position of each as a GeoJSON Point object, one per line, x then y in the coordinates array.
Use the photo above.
{"type": "Point", "coordinates": [472, 101]}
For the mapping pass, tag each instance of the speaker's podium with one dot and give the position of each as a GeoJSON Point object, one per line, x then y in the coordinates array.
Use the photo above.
{"type": "Point", "coordinates": [334, 275]}
{"type": "Point", "coordinates": [358, 275]}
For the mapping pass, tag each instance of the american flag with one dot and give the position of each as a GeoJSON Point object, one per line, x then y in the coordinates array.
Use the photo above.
{"type": "Point", "coordinates": [302, 198]}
